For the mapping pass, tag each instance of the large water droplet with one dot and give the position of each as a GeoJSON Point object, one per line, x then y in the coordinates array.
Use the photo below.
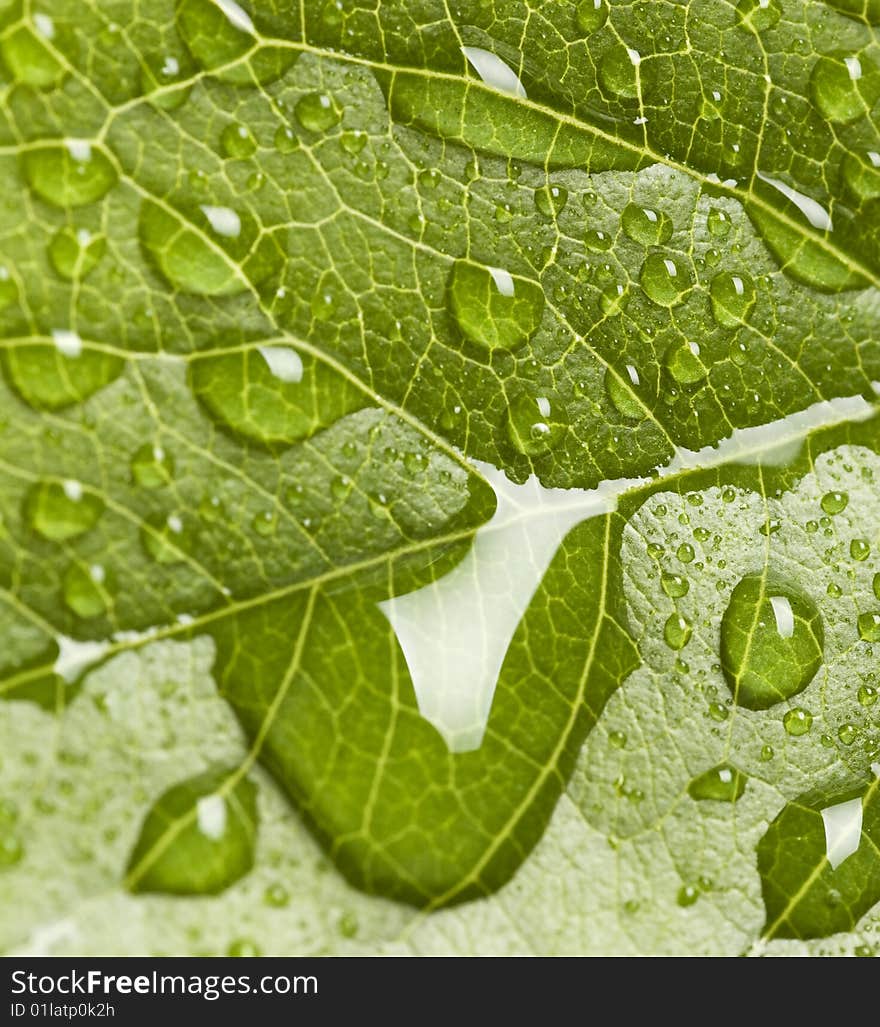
{"type": "Point", "coordinates": [273, 395]}
{"type": "Point", "coordinates": [69, 174]}
{"type": "Point", "coordinates": [665, 281]}
{"type": "Point", "coordinates": [317, 112]}
{"type": "Point", "coordinates": [772, 641]}
{"type": "Point", "coordinates": [76, 252]}
{"type": "Point", "coordinates": [237, 141]}
{"type": "Point", "coordinates": [87, 590]}
{"type": "Point", "coordinates": [221, 32]}
{"type": "Point", "coordinates": [591, 15]}
{"type": "Point", "coordinates": [535, 425]}
{"type": "Point", "coordinates": [733, 298]}
{"type": "Point", "coordinates": [674, 585]}
{"type": "Point", "coordinates": [758, 14]}
{"type": "Point", "coordinates": [797, 722]}
{"type": "Point", "coordinates": [645, 225]}
{"type": "Point", "coordinates": [718, 222]}
{"type": "Point", "coordinates": [845, 87]}
{"type": "Point", "coordinates": [54, 375]}
{"type": "Point", "coordinates": [834, 503]}
{"type": "Point", "coordinates": [492, 308]}
{"type": "Point", "coordinates": [27, 51]}
{"type": "Point", "coordinates": [677, 631]}
{"type": "Point", "coordinates": [619, 72]}
{"type": "Point", "coordinates": [682, 361]}
{"type": "Point", "coordinates": [622, 390]}
{"type": "Point", "coordinates": [869, 626]}
{"type": "Point", "coordinates": [152, 466]}
{"type": "Point", "coordinates": [60, 511]}
{"type": "Point", "coordinates": [494, 71]}
{"type": "Point", "coordinates": [214, 817]}
{"type": "Point", "coordinates": [724, 783]}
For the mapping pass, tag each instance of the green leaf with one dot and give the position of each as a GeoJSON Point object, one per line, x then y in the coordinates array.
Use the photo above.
{"type": "Point", "coordinates": [355, 348]}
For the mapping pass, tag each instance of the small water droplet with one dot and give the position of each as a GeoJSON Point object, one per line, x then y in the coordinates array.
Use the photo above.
{"type": "Point", "coordinates": [622, 391]}
{"type": "Point", "coordinates": [60, 511]}
{"type": "Point", "coordinates": [596, 240]}
{"type": "Point", "coordinates": [724, 783]}
{"type": "Point", "coordinates": [152, 466]}
{"type": "Point", "coordinates": [646, 226]}
{"type": "Point", "coordinates": [664, 280]}
{"type": "Point", "coordinates": [348, 925]}
{"type": "Point", "coordinates": [677, 631]}
{"type": "Point", "coordinates": [158, 82]}
{"type": "Point", "coordinates": [617, 739]}
{"type": "Point", "coordinates": [718, 223]}
{"type": "Point", "coordinates": [798, 721]}
{"type": "Point", "coordinates": [535, 425]}
{"type": "Point", "coordinates": [243, 948]}
{"type": "Point", "coordinates": [847, 733]}
{"type": "Point", "coordinates": [165, 539]}
{"type": "Point", "coordinates": [867, 695]}
{"type": "Point", "coordinates": [767, 753]}
{"type": "Point", "coordinates": [860, 549]}
{"type": "Point", "coordinates": [834, 502]}
{"type": "Point", "coordinates": [87, 590]}
{"type": "Point", "coordinates": [76, 252]}
{"type": "Point", "coordinates": [11, 849]}
{"type": "Point", "coordinates": [772, 641]}
{"type": "Point", "coordinates": [551, 200]}
{"type": "Point", "coordinates": [591, 15]}
{"type": "Point", "coordinates": [687, 895]}
{"type": "Point", "coordinates": [685, 552]}
{"type": "Point", "coordinates": [237, 142]}
{"type": "Point", "coordinates": [869, 626]}
{"type": "Point", "coordinates": [276, 895]}
{"type": "Point", "coordinates": [265, 524]}
{"type": "Point", "coordinates": [492, 308]}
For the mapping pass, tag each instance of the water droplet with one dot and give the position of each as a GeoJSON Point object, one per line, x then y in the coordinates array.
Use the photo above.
{"type": "Point", "coordinates": [165, 539]}
{"type": "Point", "coordinates": [535, 425]}
{"type": "Point", "coordinates": [27, 50]}
{"type": "Point", "coordinates": [286, 140]}
{"type": "Point", "coordinates": [862, 174]}
{"type": "Point", "coordinates": [87, 590]}
{"type": "Point", "coordinates": [317, 112]}
{"type": "Point", "coordinates": [844, 87]}
{"type": "Point", "coordinates": [797, 721]}
{"type": "Point", "coordinates": [276, 895]}
{"type": "Point", "coordinates": [621, 390]}
{"type": "Point", "coordinates": [591, 15]}
{"type": "Point", "coordinates": [677, 631]}
{"type": "Point", "coordinates": [674, 585]}
{"type": "Point", "coordinates": [613, 300]}
{"type": "Point", "coordinates": [847, 733]}
{"type": "Point", "coordinates": [596, 240]}
{"type": "Point", "coordinates": [867, 695]}
{"type": "Point", "coordinates": [159, 78]}
{"type": "Point", "coordinates": [758, 14]}
{"type": "Point", "coordinates": [876, 584]}
{"type": "Point", "coordinates": [273, 394]}
{"type": "Point", "coordinates": [772, 641]}
{"type": "Point", "coordinates": [860, 549]}
{"type": "Point", "coordinates": [733, 297]}
{"type": "Point", "coordinates": [617, 739]}
{"type": "Point", "coordinates": [152, 466]}
{"type": "Point", "coordinates": [687, 895]}
{"type": "Point", "coordinates": [646, 226]}
{"type": "Point", "coordinates": [619, 72]}
{"type": "Point", "coordinates": [237, 142]}
{"type": "Point", "coordinates": [492, 308]}
{"type": "Point", "coordinates": [348, 925]}
{"type": "Point", "coordinates": [415, 463]}
{"type": "Point", "coordinates": [76, 252]}
{"type": "Point", "coordinates": [682, 361]}
{"type": "Point", "coordinates": [11, 849]}
{"type": "Point", "coordinates": [60, 511]}
{"type": "Point", "coordinates": [69, 174]}
{"type": "Point", "coordinates": [551, 200]}
{"type": "Point", "coordinates": [664, 280]}
{"type": "Point", "coordinates": [685, 553]}
{"type": "Point", "coordinates": [265, 524]}
{"type": "Point", "coordinates": [724, 783]}
{"type": "Point", "coordinates": [869, 626]}
{"type": "Point", "coordinates": [718, 223]}
{"type": "Point", "coordinates": [221, 32]}
{"type": "Point", "coordinates": [767, 753]}
{"type": "Point", "coordinates": [834, 502]}
{"type": "Point", "coordinates": [243, 948]}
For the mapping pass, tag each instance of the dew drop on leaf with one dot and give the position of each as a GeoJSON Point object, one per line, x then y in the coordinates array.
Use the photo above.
{"type": "Point", "coordinates": [834, 502]}
{"type": "Point", "coordinates": [646, 226]}
{"type": "Point", "coordinates": [11, 848]}
{"type": "Point", "coordinates": [844, 86]}
{"type": "Point", "coordinates": [60, 511]}
{"type": "Point", "coordinates": [596, 240]}
{"type": "Point", "coordinates": [159, 77]}
{"type": "Point", "coordinates": [622, 391]}
{"type": "Point", "coordinates": [861, 174]}
{"type": "Point", "coordinates": [860, 549]}
{"type": "Point", "coordinates": [165, 539]}
{"type": "Point", "coordinates": [674, 585]}
{"type": "Point", "coordinates": [733, 298]}
{"type": "Point", "coordinates": [535, 425]}
{"type": "Point", "coordinates": [550, 200]}
{"type": "Point", "coordinates": [74, 253]}
{"type": "Point", "coordinates": [665, 280]}
{"type": "Point", "coordinates": [718, 222]}
{"type": "Point", "coordinates": [797, 722]}
{"type": "Point", "coordinates": [87, 590]}
{"type": "Point", "coordinates": [237, 142]}
{"type": "Point", "coordinates": [869, 626]}
{"type": "Point", "coordinates": [724, 783]}
{"type": "Point", "coordinates": [591, 15]}
{"type": "Point", "coordinates": [682, 361]}
{"type": "Point", "coordinates": [69, 174]}
{"type": "Point", "coordinates": [618, 72]}
{"type": "Point", "coordinates": [772, 641]}
{"type": "Point", "coordinates": [317, 112]}
{"type": "Point", "coordinates": [27, 51]}
{"type": "Point", "coordinates": [152, 466]}
{"type": "Point", "coordinates": [677, 631]}
{"type": "Point", "coordinates": [493, 309]}
{"type": "Point", "coordinates": [758, 14]}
